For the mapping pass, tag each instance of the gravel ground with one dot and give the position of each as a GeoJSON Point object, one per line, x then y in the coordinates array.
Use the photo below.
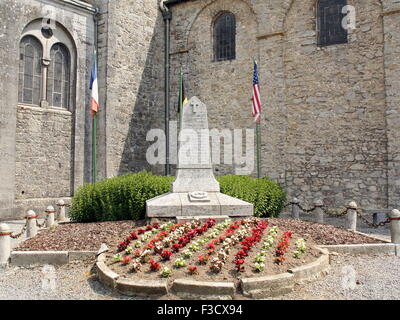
{"type": "Point", "coordinates": [72, 282]}
{"type": "Point", "coordinates": [77, 282]}
{"type": "Point", "coordinates": [375, 278]}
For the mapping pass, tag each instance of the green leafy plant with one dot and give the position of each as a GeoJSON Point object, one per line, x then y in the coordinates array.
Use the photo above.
{"type": "Point", "coordinates": [266, 195]}
{"type": "Point", "coordinates": [180, 263]}
{"type": "Point", "coordinates": [117, 198]}
{"type": "Point", "coordinates": [124, 197]}
{"type": "Point", "coordinates": [166, 272]}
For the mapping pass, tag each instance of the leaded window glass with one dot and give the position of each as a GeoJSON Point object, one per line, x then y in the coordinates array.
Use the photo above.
{"type": "Point", "coordinates": [58, 79]}
{"type": "Point", "coordinates": [330, 17]}
{"type": "Point", "coordinates": [225, 37]}
{"type": "Point", "coordinates": [30, 70]}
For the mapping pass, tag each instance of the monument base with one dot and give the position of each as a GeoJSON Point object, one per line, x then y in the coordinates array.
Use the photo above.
{"type": "Point", "coordinates": [180, 204]}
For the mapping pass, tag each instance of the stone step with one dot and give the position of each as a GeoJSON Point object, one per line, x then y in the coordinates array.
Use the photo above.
{"type": "Point", "coordinates": [201, 218]}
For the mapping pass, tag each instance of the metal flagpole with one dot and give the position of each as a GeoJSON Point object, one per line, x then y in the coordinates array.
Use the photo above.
{"type": "Point", "coordinates": [94, 142]}
{"type": "Point", "coordinates": [94, 120]}
{"type": "Point", "coordinates": [180, 97]}
{"type": "Point", "coordinates": [258, 137]}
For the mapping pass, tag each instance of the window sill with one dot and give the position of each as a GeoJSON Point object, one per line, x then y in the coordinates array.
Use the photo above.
{"type": "Point", "coordinates": [44, 110]}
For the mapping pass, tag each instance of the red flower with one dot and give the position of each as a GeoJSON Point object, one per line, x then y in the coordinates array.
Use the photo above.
{"type": "Point", "coordinates": [133, 236]}
{"type": "Point", "coordinates": [154, 266]}
{"type": "Point", "coordinates": [137, 253]}
{"type": "Point", "coordinates": [203, 259]}
{"type": "Point", "coordinates": [175, 247]}
{"type": "Point", "coordinates": [123, 245]}
{"type": "Point", "coordinates": [156, 225]}
{"type": "Point", "coordinates": [141, 231]}
{"type": "Point", "coordinates": [239, 265]}
{"type": "Point", "coordinates": [166, 255]}
{"type": "Point", "coordinates": [149, 228]}
{"type": "Point", "coordinates": [241, 254]}
{"type": "Point", "coordinates": [125, 260]}
{"type": "Point", "coordinates": [193, 270]}
{"type": "Point", "coordinates": [211, 245]}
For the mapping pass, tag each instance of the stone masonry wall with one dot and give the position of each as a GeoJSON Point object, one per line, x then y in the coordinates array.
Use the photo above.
{"type": "Point", "coordinates": [324, 126]}
{"type": "Point", "coordinates": [134, 82]}
{"type": "Point", "coordinates": [335, 102]}
{"type": "Point", "coordinates": [42, 151]}
{"type": "Point", "coordinates": [391, 19]}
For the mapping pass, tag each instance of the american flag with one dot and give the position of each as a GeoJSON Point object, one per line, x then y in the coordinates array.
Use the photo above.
{"type": "Point", "coordinates": [256, 96]}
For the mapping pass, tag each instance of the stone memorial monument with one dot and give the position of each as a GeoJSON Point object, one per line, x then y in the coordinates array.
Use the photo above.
{"type": "Point", "coordinates": [195, 191]}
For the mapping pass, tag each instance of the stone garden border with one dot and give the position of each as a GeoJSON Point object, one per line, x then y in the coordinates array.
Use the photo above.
{"type": "Point", "coordinates": [31, 258]}
{"type": "Point", "coordinates": [255, 287]}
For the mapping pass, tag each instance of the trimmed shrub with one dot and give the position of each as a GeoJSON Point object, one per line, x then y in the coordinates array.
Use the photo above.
{"type": "Point", "coordinates": [124, 197]}
{"type": "Point", "coordinates": [118, 198]}
{"type": "Point", "coordinates": [266, 195]}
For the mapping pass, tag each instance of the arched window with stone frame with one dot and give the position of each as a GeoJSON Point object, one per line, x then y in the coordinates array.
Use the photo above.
{"type": "Point", "coordinates": [330, 19]}
{"type": "Point", "coordinates": [224, 37]}
{"type": "Point", "coordinates": [59, 77]}
{"type": "Point", "coordinates": [30, 70]}
{"type": "Point", "coordinates": [52, 52]}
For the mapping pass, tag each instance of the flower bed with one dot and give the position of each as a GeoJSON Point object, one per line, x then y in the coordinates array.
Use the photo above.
{"type": "Point", "coordinates": [227, 251]}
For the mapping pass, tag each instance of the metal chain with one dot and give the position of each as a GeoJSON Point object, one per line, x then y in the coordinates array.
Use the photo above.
{"type": "Point", "coordinates": [41, 225]}
{"type": "Point", "coordinates": [287, 205]}
{"type": "Point", "coordinates": [305, 210]}
{"type": "Point", "coordinates": [18, 235]}
{"type": "Point", "coordinates": [335, 213]}
{"type": "Point", "coordinates": [371, 224]}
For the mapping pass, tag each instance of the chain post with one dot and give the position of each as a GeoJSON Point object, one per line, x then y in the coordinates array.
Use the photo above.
{"type": "Point", "coordinates": [295, 208]}
{"type": "Point", "coordinates": [61, 215]}
{"type": "Point", "coordinates": [32, 228]}
{"type": "Point", "coordinates": [319, 212]}
{"type": "Point", "coordinates": [5, 243]}
{"type": "Point", "coordinates": [50, 216]}
{"type": "Point", "coordinates": [394, 218]}
{"type": "Point", "coordinates": [351, 218]}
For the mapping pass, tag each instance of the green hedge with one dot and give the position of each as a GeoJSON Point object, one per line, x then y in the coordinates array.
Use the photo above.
{"type": "Point", "coordinates": [266, 195]}
{"type": "Point", "coordinates": [124, 197]}
{"type": "Point", "coordinates": [118, 198]}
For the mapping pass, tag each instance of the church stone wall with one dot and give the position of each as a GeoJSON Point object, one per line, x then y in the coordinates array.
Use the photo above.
{"type": "Point", "coordinates": [336, 140]}
{"type": "Point", "coordinates": [42, 151]}
{"type": "Point", "coordinates": [391, 23]}
{"type": "Point", "coordinates": [133, 53]}
{"type": "Point", "coordinates": [324, 132]}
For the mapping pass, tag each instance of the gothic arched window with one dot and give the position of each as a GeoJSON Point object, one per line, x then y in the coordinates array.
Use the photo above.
{"type": "Point", "coordinates": [330, 18]}
{"type": "Point", "coordinates": [30, 70]}
{"type": "Point", "coordinates": [58, 79]}
{"type": "Point", "coordinates": [225, 37]}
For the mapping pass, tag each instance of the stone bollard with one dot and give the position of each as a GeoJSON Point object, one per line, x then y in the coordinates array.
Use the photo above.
{"type": "Point", "coordinates": [31, 228]}
{"type": "Point", "coordinates": [50, 216]}
{"type": "Point", "coordinates": [295, 208]}
{"type": "Point", "coordinates": [5, 244]}
{"type": "Point", "coordinates": [61, 214]}
{"type": "Point", "coordinates": [318, 212]}
{"type": "Point", "coordinates": [351, 218]}
{"type": "Point", "coordinates": [394, 217]}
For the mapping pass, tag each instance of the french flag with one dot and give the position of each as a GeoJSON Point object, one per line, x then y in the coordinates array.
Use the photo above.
{"type": "Point", "coordinates": [94, 101]}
